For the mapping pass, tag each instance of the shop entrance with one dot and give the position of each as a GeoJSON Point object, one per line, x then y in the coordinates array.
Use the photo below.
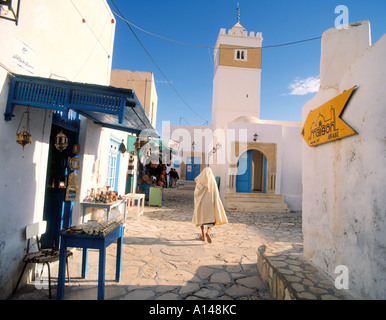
{"type": "Point", "coordinates": [252, 172]}
{"type": "Point", "coordinates": [57, 211]}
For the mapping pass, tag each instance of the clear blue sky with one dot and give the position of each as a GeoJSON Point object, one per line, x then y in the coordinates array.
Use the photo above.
{"type": "Point", "coordinates": [198, 22]}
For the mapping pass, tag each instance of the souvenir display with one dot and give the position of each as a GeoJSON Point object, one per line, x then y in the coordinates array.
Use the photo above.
{"type": "Point", "coordinates": [75, 149]}
{"type": "Point", "coordinates": [74, 163]}
{"type": "Point", "coordinates": [104, 195]}
{"type": "Point", "coordinates": [95, 227]}
{"type": "Point", "coordinates": [72, 191]}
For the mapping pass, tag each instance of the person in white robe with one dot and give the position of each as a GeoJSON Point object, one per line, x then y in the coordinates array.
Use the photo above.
{"type": "Point", "coordinates": [208, 208]}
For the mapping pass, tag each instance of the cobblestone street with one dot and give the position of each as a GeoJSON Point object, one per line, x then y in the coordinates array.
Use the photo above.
{"type": "Point", "coordinates": [163, 257]}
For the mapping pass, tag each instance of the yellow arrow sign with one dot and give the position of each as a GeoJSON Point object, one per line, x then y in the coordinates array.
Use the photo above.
{"type": "Point", "coordinates": [324, 123]}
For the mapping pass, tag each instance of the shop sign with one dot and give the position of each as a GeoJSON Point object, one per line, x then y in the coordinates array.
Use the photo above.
{"type": "Point", "coordinates": [324, 124]}
{"type": "Point", "coordinates": [23, 56]}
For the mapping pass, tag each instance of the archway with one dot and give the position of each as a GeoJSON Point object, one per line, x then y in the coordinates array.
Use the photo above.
{"type": "Point", "coordinates": [269, 150]}
{"type": "Point", "coordinates": [252, 172]}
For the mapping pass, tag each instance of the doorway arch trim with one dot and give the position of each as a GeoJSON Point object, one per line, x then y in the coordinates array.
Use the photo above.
{"type": "Point", "coordinates": [269, 150]}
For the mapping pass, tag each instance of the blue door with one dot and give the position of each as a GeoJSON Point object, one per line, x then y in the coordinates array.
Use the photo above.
{"type": "Point", "coordinates": [57, 211]}
{"type": "Point", "coordinates": [113, 165]}
{"type": "Point", "coordinates": [244, 172]}
{"type": "Point", "coordinates": [192, 168]}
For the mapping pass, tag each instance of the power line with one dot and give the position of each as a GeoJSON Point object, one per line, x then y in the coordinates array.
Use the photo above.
{"type": "Point", "coordinates": [211, 47]}
{"type": "Point", "coordinates": [151, 58]}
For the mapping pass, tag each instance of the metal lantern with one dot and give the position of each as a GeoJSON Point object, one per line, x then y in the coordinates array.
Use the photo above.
{"type": "Point", "coordinates": [122, 148]}
{"type": "Point", "coordinates": [255, 137]}
{"type": "Point", "coordinates": [61, 141]}
{"type": "Point", "coordinates": [24, 137]}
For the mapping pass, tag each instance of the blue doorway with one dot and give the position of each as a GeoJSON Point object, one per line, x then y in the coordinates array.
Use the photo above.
{"type": "Point", "coordinates": [251, 172]}
{"type": "Point", "coordinates": [244, 172]}
{"type": "Point", "coordinates": [192, 168]}
{"type": "Point", "coordinates": [57, 211]}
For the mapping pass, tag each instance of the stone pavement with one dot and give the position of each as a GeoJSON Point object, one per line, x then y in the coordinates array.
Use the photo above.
{"type": "Point", "coordinates": [253, 257]}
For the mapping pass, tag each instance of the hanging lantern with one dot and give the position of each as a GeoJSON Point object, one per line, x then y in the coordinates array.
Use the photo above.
{"type": "Point", "coordinates": [24, 137]}
{"type": "Point", "coordinates": [61, 141]}
{"type": "Point", "coordinates": [122, 148]}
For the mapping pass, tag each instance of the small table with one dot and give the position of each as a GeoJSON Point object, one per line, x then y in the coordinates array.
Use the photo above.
{"type": "Point", "coordinates": [87, 241]}
{"type": "Point", "coordinates": [140, 198]}
{"type": "Point", "coordinates": [108, 206]}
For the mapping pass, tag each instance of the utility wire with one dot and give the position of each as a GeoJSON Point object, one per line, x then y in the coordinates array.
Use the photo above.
{"type": "Point", "coordinates": [129, 24]}
{"type": "Point", "coordinates": [211, 47]}
{"type": "Point", "coordinates": [151, 58]}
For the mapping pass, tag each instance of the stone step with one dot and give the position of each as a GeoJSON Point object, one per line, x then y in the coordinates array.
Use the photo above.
{"type": "Point", "coordinates": [186, 184]}
{"type": "Point", "coordinates": [253, 195]}
{"type": "Point", "coordinates": [241, 204]}
{"type": "Point", "coordinates": [256, 210]}
{"type": "Point", "coordinates": [255, 202]}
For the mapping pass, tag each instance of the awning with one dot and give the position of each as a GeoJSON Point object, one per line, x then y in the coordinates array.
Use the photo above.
{"type": "Point", "coordinates": [110, 107]}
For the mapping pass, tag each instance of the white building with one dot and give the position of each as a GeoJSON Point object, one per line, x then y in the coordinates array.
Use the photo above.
{"type": "Point", "coordinates": [344, 197]}
{"type": "Point", "coordinates": [254, 159]}
{"type": "Point", "coordinates": [55, 63]}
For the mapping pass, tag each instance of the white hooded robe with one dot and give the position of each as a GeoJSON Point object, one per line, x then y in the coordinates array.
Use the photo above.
{"type": "Point", "coordinates": [208, 207]}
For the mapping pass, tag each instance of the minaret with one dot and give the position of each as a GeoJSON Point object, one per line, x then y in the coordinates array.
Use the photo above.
{"type": "Point", "coordinates": [237, 75]}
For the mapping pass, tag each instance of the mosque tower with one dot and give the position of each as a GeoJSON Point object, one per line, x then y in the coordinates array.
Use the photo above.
{"type": "Point", "coordinates": [237, 75]}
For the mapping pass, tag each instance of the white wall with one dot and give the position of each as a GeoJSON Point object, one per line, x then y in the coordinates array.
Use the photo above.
{"type": "Point", "coordinates": [286, 135]}
{"type": "Point", "coordinates": [291, 167]}
{"type": "Point", "coordinates": [236, 91]}
{"type": "Point", "coordinates": [344, 197]}
{"type": "Point", "coordinates": [53, 42]}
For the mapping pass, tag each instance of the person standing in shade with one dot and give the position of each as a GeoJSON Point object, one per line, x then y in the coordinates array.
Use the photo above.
{"type": "Point", "coordinates": [176, 177]}
{"type": "Point", "coordinates": [208, 208]}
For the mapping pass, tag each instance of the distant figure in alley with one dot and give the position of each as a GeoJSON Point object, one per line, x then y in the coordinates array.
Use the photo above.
{"type": "Point", "coordinates": [208, 208]}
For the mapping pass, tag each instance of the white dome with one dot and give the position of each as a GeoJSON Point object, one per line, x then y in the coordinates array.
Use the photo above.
{"type": "Point", "coordinates": [248, 119]}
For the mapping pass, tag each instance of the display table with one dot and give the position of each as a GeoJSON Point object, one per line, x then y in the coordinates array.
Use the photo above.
{"type": "Point", "coordinates": [140, 207]}
{"type": "Point", "coordinates": [108, 206]}
{"type": "Point", "coordinates": [80, 237]}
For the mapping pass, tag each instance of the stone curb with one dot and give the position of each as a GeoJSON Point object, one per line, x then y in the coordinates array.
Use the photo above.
{"type": "Point", "coordinates": [290, 277]}
{"type": "Point", "coordinates": [279, 287]}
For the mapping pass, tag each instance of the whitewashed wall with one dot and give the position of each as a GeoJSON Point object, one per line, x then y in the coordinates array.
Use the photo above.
{"type": "Point", "coordinates": [344, 194]}
{"type": "Point", "coordinates": [51, 40]}
{"type": "Point", "coordinates": [235, 91]}
{"type": "Point", "coordinates": [286, 135]}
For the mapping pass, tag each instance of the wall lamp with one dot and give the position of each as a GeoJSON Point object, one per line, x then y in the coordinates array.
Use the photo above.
{"type": "Point", "coordinates": [255, 137]}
